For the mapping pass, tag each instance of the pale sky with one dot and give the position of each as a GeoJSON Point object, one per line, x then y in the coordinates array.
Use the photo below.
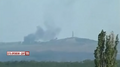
{"type": "Point", "coordinates": [86, 18]}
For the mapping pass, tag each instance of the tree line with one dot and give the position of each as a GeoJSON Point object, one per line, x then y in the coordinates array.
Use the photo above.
{"type": "Point", "coordinates": [85, 63]}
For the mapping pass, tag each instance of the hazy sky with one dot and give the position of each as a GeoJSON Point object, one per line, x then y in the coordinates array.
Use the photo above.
{"type": "Point", "coordinates": [86, 18]}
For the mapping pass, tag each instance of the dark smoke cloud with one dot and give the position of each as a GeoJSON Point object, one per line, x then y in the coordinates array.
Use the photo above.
{"type": "Point", "coordinates": [41, 34]}
{"type": "Point", "coordinates": [29, 38]}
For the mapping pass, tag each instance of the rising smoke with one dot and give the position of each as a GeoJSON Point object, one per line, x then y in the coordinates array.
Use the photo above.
{"type": "Point", "coordinates": [41, 34]}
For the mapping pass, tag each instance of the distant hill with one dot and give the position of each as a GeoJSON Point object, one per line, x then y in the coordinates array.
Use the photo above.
{"type": "Point", "coordinates": [67, 49]}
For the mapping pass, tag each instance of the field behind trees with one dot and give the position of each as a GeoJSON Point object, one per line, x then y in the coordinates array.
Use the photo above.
{"type": "Point", "coordinates": [85, 63]}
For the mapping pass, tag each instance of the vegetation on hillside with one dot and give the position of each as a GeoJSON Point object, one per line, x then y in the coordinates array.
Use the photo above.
{"type": "Point", "coordinates": [85, 63]}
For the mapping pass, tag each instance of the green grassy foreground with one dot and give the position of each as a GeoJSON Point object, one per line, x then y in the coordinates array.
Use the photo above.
{"type": "Point", "coordinates": [86, 63]}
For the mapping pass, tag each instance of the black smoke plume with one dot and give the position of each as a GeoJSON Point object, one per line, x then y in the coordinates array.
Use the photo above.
{"type": "Point", "coordinates": [41, 34]}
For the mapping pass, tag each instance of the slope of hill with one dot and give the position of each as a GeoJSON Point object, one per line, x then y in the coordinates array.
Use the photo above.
{"type": "Point", "coordinates": [68, 49]}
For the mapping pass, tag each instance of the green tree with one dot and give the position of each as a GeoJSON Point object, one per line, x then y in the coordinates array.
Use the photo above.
{"type": "Point", "coordinates": [111, 50]}
{"type": "Point", "coordinates": [106, 51]}
{"type": "Point", "coordinates": [98, 53]}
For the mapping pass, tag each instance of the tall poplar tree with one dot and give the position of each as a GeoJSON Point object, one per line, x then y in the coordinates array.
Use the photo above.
{"type": "Point", "coordinates": [106, 51]}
